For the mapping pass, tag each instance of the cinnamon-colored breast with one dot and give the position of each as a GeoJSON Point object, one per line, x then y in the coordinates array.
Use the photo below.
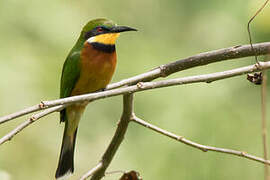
{"type": "Point", "coordinates": [97, 68]}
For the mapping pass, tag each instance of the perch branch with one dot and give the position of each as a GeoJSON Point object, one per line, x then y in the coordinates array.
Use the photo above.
{"type": "Point", "coordinates": [167, 69]}
{"type": "Point", "coordinates": [141, 86]}
{"type": "Point", "coordinates": [116, 140]}
{"type": "Point", "coordinates": [61, 103]}
{"type": "Point", "coordinates": [204, 148]}
{"type": "Point", "coordinates": [201, 59]}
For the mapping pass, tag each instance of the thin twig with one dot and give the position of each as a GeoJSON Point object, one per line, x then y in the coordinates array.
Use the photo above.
{"type": "Point", "coordinates": [25, 124]}
{"type": "Point", "coordinates": [264, 129]}
{"type": "Point", "coordinates": [204, 148]}
{"type": "Point", "coordinates": [20, 113]}
{"type": "Point", "coordinates": [170, 68]}
{"type": "Point", "coordinates": [248, 28]}
{"type": "Point", "coordinates": [116, 140]}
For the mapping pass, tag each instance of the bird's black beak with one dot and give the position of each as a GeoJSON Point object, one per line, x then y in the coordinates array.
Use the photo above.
{"type": "Point", "coordinates": [118, 29]}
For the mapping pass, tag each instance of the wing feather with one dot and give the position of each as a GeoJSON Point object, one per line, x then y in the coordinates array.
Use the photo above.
{"type": "Point", "coordinates": [70, 75]}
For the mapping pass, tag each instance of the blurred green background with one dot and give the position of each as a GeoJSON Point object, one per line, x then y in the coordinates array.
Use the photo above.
{"type": "Point", "coordinates": [36, 36]}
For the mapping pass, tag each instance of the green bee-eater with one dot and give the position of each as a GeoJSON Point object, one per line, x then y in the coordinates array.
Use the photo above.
{"type": "Point", "coordinates": [88, 68]}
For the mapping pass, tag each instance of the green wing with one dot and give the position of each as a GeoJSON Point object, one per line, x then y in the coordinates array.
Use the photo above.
{"type": "Point", "coordinates": [70, 75]}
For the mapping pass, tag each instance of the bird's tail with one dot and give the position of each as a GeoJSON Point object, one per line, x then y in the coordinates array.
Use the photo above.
{"type": "Point", "coordinates": [66, 160]}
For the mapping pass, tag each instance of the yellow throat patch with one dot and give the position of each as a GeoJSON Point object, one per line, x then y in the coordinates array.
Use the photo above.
{"type": "Point", "coordinates": [107, 39]}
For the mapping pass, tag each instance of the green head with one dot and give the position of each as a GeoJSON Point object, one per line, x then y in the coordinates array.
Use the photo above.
{"type": "Point", "coordinates": [91, 25]}
{"type": "Point", "coordinates": [102, 31]}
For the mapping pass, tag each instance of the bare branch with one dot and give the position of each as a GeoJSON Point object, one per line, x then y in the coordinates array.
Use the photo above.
{"type": "Point", "coordinates": [19, 113]}
{"type": "Point", "coordinates": [23, 125]}
{"type": "Point", "coordinates": [197, 60]}
{"type": "Point", "coordinates": [116, 140]}
{"type": "Point", "coordinates": [142, 86]}
{"type": "Point", "coordinates": [170, 68]}
{"type": "Point", "coordinates": [204, 148]}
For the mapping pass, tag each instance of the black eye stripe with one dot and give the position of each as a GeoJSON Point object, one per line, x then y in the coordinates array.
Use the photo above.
{"type": "Point", "coordinates": [96, 31]}
{"type": "Point", "coordinates": [103, 28]}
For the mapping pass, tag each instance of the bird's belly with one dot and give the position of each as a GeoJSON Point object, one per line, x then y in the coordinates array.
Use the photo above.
{"type": "Point", "coordinates": [96, 73]}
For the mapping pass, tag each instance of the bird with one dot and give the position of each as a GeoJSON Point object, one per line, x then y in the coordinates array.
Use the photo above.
{"type": "Point", "coordinates": [89, 67]}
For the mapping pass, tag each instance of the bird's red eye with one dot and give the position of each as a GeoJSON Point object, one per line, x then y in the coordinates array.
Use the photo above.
{"type": "Point", "coordinates": [99, 29]}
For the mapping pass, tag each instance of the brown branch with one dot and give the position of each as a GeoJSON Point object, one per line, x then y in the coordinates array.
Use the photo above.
{"type": "Point", "coordinates": [116, 140]}
{"type": "Point", "coordinates": [264, 129]}
{"type": "Point", "coordinates": [204, 148]}
{"type": "Point", "coordinates": [201, 59]}
{"type": "Point", "coordinates": [170, 68]}
{"type": "Point", "coordinates": [142, 86]}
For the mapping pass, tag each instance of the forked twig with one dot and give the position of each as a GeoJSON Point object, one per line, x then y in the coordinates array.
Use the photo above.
{"type": "Point", "coordinates": [116, 140]}
{"type": "Point", "coordinates": [204, 148]}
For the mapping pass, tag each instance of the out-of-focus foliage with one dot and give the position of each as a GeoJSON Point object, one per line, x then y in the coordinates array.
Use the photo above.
{"type": "Point", "coordinates": [36, 36]}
